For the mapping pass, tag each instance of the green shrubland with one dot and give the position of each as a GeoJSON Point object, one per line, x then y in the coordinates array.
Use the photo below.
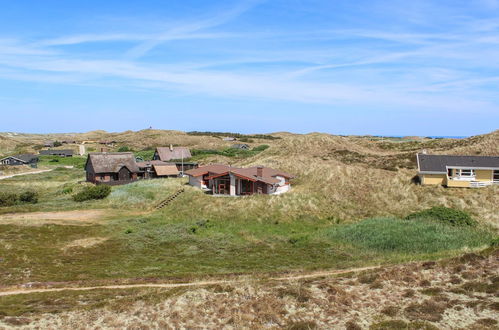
{"type": "Point", "coordinates": [92, 192]}
{"type": "Point", "coordinates": [444, 215]}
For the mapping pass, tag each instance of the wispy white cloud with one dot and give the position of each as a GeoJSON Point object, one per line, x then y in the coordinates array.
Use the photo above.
{"type": "Point", "coordinates": [362, 67]}
{"type": "Point", "coordinates": [186, 29]}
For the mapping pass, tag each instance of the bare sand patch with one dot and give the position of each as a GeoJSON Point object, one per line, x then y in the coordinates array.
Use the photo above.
{"type": "Point", "coordinates": [85, 242]}
{"type": "Point", "coordinates": [75, 217]}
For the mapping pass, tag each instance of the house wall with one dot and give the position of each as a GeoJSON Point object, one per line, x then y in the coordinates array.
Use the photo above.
{"type": "Point", "coordinates": [483, 175]}
{"type": "Point", "coordinates": [433, 179]}
{"type": "Point", "coordinates": [11, 161]}
{"type": "Point", "coordinates": [458, 183]}
{"type": "Point", "coordinates": [196, 181]}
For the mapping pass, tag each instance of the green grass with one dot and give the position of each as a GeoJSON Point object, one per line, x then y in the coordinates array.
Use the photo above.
{"type": "Point", "coordinates": [165, 247]}
{"type": "Point", "coordinates": [409, 236]}
{"type": "Point", "coordinates": [54, 188]}
{"type": "Point", "coordinates": [198, 235]}
{"type": "Point", "coordinates": [76, 161]}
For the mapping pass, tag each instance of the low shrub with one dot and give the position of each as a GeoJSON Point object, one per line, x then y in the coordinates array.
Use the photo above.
{"type": "Point", "coordinates": [261, 148]}
{"type": "Point", "coordinates": [124, 149]}
{"type": "Point", "coordinates": [93, 192]}
{"type": "Point", "coordinates": [8, 199]}
{"type": "Point", "coordinates": [445, 215]}
{"type": "Point", "coordinates": [29, 197]}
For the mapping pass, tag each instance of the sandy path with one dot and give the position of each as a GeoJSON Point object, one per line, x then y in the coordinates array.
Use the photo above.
{"type": "Point", "coordinates": [26, 173]}
{"type": "Point", "coordinates": [243, 278]}
{"type": "Point", "coordinates": [58, 217]}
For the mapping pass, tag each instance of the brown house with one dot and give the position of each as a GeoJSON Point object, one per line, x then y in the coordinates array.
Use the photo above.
{"type": "Point", "coordinates": [167, 154]}
{"type": "Point", "coordinates": [234, 181]}
{"type": "Point", "coordinates": [111, 168]}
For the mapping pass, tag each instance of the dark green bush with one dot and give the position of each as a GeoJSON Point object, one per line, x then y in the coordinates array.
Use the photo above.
{"type": "Point", "coordinates": [29, 197]}
{"type": "Point", "coordinates": [123, 149]}
{"type": "Point", "coordinates": [8, 199]}
{"type": "Point", "coordinates": [57, 144]}
{"type": "Point", "coordinates": [94, 192]}
{"type": "Point", "coordinates": [261, 148]}
{"type": "Point", "coordinates": [444, 215]}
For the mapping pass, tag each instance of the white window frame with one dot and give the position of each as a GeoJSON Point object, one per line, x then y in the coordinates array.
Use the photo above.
{"type": "Point", "coordinates": [458, 174]}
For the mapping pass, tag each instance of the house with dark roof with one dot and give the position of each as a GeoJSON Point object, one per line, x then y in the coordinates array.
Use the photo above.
{"type": "Point", "coordinates": [167, 154]}
{"type": "Point", "coordinates": [458, 171]}
{"type": "Point", "coordinates": [111, 168]}
{"type": "Point", "coordinates": [55, 152]}
{"type": "Point", "coordinates": [241, 146]}
{"type": "Point", "coordinates": [235, 181]}
{"type": "Point", "coordinates": [22, 159]}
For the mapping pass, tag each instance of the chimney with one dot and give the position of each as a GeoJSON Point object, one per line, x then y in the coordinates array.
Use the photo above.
{"type": "Point", "coordinates": [424, 152]}
{"type": "Point", "coordinates": [171, 147]}
{"type": "Point", "coordinates": [259, 171]}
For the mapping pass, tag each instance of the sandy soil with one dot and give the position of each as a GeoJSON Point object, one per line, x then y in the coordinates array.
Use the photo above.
{"type": "Point", "coordinates": [25, 173]}
{"type": "Point", "coordinates": [14, 290]}
{"type": "Point", "coordinates": [60, 217]}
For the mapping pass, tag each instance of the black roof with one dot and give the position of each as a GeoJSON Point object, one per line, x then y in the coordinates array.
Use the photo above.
{"type": "Point", "coordinates": [56, 152]}
{"type": "Point", "coordinates": [27, 158]}
{"type": "Point", "coordinates": [438, 163]}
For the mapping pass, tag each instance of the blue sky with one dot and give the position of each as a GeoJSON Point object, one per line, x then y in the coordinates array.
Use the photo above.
{"type": "Point", "coordinates": [342, 67]}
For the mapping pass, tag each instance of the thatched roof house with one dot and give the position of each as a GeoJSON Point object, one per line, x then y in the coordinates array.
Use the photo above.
{"type": "Point", "coordinates": [169, 153]}
{"type": "Point", "coordinates": [111, 167]}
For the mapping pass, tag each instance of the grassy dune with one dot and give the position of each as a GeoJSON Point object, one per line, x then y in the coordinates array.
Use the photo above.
{"type": "Point", "coordinates": [340, 181]}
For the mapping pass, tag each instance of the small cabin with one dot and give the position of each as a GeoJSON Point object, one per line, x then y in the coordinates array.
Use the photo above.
{"type": "Point", "coordinates": [111, 168]}
{"type": "Point", "coordinates": [458, 171]}
{"type": "Point", "coordinates": [56, 152]}
{"type": "Point", "coordinates": [22, 159]}
{"type": "Point", "coordinates": [167, 154]}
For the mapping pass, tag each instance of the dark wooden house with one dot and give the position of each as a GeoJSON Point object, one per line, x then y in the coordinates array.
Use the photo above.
{"type": "Point", "coordinates": [111, 168]}
{"type": "Point", "coordinates": [23, 159]}
{"type": "Point", "coordinates": [56, 152]}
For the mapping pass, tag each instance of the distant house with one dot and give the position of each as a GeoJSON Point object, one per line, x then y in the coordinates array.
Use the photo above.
{"type": "Point", "coordinates": [241, 146]}
{"type": "Point", "coordinates": [111, 168]}
{"type": "Point", "coordinates": [23, 159]}
{"type": "Point", "coordinates": [233, 181]}
{"type": "Point", "coordinates": [166, 154]}
{"type": "Point", "coordinates": [48, 144]}
{"type": "Point", "coordinates": [157, 169]}
{"type": "Point", "coordinates": [54, 152]}
{"type": "Point", "coordinates": [458, 171]}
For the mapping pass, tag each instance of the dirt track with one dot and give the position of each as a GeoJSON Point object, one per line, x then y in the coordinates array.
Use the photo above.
{"type": "Point", "coordinates": [15, 290]}
{"type": "Point", "coordinates": [25, 173]}
{"type": "Point", "coordinates": [59, 217]}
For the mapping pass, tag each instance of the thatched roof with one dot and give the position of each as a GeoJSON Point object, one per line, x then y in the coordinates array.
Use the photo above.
{"type": "Point", "coordinates": [112, 162]}
{"type": "Point", "coordinates": [169, 153]}
{"type": "Point", "coordinates": [164, 170]}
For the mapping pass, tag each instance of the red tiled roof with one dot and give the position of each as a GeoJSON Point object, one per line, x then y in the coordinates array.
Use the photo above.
{"type": "Point", "coordinates": [250, 173]}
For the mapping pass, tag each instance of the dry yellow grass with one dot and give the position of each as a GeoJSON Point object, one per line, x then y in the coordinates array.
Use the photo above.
{"type": "Point", "coordinates": [337, 177]}
{"type": "Point", "coordinates": [459, 293]}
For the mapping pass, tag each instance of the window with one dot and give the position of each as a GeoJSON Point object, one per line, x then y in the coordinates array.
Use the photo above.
{"type": "Point", "coordinates": [449, 172]}
{"type": "Point", "coordinates": [464, 173]}
{"type": "Point", "coordinates": [467, 172]}
{"type": "Point", "coordinates": [496, 175]}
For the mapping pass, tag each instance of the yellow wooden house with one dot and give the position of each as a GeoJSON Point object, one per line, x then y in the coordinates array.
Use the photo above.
{"type": "Point", "coordinates": [458, 171]}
